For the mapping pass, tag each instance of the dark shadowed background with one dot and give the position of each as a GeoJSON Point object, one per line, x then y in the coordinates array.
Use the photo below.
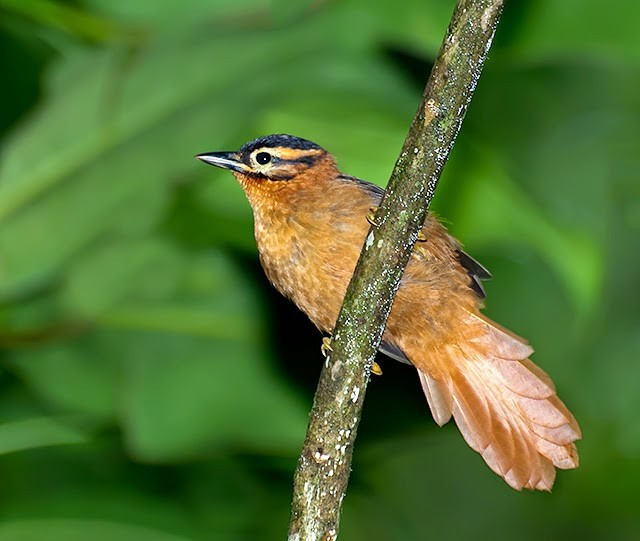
{"type": "Point", "coordinates": [154, 387]}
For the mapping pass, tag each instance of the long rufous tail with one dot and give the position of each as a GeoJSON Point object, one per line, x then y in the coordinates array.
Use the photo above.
{"type": "Point", "coordinates": [505, 406]}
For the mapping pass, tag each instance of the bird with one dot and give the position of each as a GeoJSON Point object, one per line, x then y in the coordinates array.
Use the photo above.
{"type": "Point", "coordinates": [310, 223]}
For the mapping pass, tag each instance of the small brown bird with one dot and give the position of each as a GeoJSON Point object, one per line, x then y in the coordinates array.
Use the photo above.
{"type": "Point", "coordinates": [310, 225]}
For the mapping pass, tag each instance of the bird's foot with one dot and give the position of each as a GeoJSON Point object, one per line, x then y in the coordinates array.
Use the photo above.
{"type": "Point", "coordinates": [422, 236]}
{"type": "Point", "coordinates": [325, 348]}
{"type": "Point", "coordinates": [371, 215]}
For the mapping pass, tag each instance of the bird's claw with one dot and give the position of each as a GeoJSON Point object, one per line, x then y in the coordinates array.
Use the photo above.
{"type": "Point", "coordinates": [375, 369]}
{"type": "Point", "coordinates": [371, 215]}
{"type": "Point", "coordinates": [325, 348]}
{"type": "Point", "coordinates": [422, 236]}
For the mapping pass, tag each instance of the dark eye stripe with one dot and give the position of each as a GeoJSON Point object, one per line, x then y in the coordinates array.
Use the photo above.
{"type": "Point", "coordinates": [307, 160]}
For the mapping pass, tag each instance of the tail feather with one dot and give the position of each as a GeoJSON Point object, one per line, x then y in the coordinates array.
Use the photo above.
{"type": "Point", "coordinates": [439, 398]}
{"type": "Point", "coordinates": [505, 406]}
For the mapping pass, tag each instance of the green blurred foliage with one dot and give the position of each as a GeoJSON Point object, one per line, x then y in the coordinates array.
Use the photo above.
{"type": "Point", "coordinates": [154, 387]}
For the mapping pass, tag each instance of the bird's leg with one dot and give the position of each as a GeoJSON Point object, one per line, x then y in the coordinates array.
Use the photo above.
{"type": "Point", "coordinates": [422, 236]}
{"type": "Point", "coordinates": [325, 348]}
{"type": "Point", "coordinates": [371, 215]}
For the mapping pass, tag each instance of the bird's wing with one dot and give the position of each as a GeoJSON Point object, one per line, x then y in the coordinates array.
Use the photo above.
{"type": "Point", "coordinates": [372, 189]}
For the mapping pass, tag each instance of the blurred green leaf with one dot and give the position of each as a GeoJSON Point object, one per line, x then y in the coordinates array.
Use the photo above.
{"type": "Point", "coordinates": [576, 28]}
{"type": "Point", "coordinates": [80, 530]}
{"type": "Point", "coordinates": [616, 379]}
{"type": "Point", "coordinates": [170, 16]}
{"type": "Point", "coordinates": [233, 400]}
{"type": "Point", "coordinates": [508, 215]}
{"type": "Point", "coordinates": [185, 368]}
{"type": "Point", "coordinates": [82, 24]}
{"type": "Point", "coordinates": [116, 271]}
{"type": "Point", "coordinates": [38, 432]}
{"type": "Point", "coordinates": [78, 377]}
{"type": "Point", "coordinates": [287, 11]}
{"type": "Point", "coordinates": [417, 26]}
{"type": "Point", "coordinates": [230, 387]}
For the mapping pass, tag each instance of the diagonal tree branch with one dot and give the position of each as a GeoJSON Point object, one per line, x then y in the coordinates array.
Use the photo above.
{"type": "Point", "coordinates": [325, 462]}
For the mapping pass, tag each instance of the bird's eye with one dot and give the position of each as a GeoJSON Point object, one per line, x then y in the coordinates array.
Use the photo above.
{"type": "Point", "coordinates": [263, 158]}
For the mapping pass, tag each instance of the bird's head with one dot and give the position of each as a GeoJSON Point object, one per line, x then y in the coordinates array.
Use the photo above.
{"type": "Point", "coordinates": [272, 159]}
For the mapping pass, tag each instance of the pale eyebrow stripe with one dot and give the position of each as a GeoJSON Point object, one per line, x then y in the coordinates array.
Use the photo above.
{"type": "Point", "coordinates": [293, 154]}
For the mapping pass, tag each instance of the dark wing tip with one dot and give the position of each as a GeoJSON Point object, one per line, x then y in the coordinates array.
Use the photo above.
{"type": "Point", "coordinates": [476, 273]}
{"type": "Point", "coordinates": [393, 351]}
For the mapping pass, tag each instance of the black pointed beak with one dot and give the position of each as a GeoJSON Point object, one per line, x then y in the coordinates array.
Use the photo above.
{"type": "Point", "coordinates": [225, 160]}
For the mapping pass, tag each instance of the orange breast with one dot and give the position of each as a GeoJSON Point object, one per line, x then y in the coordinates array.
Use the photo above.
{"type": "Point", "coordinates": [309, 244]}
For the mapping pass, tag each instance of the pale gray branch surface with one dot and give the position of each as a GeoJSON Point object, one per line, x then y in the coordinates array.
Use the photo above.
{"type": "Point", "coordinates": [325, 463]}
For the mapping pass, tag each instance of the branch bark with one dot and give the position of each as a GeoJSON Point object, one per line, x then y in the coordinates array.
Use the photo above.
{"type": "Point", "coordinates": [325, 462]}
